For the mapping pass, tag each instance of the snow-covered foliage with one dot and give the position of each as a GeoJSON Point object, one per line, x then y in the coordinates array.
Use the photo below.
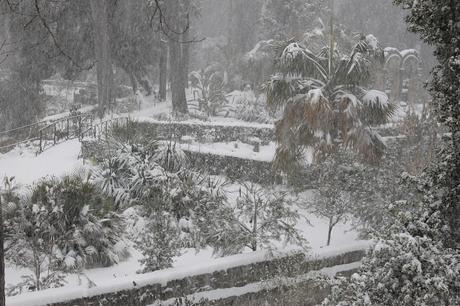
{"type": "Point", "coordinates": [408, 265]}
{"type": "Point", "coordinates": [210, 85]}
{"type": "Point", "coordinates": [64, 225]}
{"type": "Point", "coordinates": [284, 19]}
{"type": "Point", "coordinates": [159, 242]}
{"type": "Point", "coordinates": [257, 219]}
{"type": "Point", "coordinates": [325, 102]}
{"type": "Point", "coordinates": [333, 204]}
{"type": "Point", "coordinates": [437, 23]}
{"type": "Point", "coordinates": [246, 106]}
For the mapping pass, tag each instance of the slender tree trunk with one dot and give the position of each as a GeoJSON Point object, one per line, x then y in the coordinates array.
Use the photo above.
{"type": "Point", "coordinates": [2, 259]}
{"type": "Point", "coordinates": [133, 81]}
{"type": "Point", "coordinates": [254, 225]}
{"type": "Point", "coordinates": [163, 70]}
{"type": "Point", "coordinates": [329, 232]}
{"type": "Point", "coordinates": [99, 10]}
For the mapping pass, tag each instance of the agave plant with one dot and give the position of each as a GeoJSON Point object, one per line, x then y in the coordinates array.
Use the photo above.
{"type": "Point", "coordinates": [325, 101]}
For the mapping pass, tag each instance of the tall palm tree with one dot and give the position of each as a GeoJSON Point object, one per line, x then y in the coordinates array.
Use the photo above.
{"type": "Point", "coordinates": [326, 102]}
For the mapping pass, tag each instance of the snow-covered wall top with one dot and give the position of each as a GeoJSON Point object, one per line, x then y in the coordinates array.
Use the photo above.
{"type": "Point", "coordinates": [226, 272]}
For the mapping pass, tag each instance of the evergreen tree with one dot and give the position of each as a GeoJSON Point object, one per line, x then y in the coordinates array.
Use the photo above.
{"type": "Point", "coordinates": [407, 266]}
{"type": "Point", "coordinates": [437, 22]}
{"type": "Point", "coordinates": [159, 242]}
{"type": "Point", "coordinates": [415, 261]}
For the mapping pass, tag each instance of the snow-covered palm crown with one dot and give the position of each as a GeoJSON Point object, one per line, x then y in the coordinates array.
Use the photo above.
{"type": "Point", "coordinates": [326, 102]}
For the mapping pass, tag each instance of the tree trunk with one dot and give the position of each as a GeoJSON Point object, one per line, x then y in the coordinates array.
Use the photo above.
{"type": "Point", "coordinates": [179, 101]}
{"type": "Point", "coordinates": [185, 57]}
{"type": "Point", "coordinates": [163, 70]}
{"type": "Point", "coordinates": [254, 225]}
{"type": "Point", "coordinates": [2, 259]}
{"type": "Point", "coordinates": [329, 232]}
{"type": "Point", "coordinates": [133, 81]}
{"type": "Point", "coordinates": [99, 11]}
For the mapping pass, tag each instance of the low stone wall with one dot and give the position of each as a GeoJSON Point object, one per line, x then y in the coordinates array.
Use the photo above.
{"type": "Point", "coordinates": [150, 290]}
{"type": "Point", "coordinates": [213, 132]}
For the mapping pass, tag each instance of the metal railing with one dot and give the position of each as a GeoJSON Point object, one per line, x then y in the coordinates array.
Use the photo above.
{"type": "Point", "coordinates": [46, 135]}
{"type": "Point", "coordinates": [102, 129]}
{"type": "Point", "coordinates": [63, 129]}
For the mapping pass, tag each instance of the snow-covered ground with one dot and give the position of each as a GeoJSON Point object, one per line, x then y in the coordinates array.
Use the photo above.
{"type": "Point", "coordinates": [235, 149]}
{"type": "Point", "coordinates": [26, 167]}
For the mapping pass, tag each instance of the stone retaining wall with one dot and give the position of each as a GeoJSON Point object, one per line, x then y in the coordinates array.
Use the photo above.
{"type": "Point", "coordinates": [237, 276]}
{"type": "Point", "coordinates": [213, 132]}
{"type": "Point", "coordinates": [227, 132]}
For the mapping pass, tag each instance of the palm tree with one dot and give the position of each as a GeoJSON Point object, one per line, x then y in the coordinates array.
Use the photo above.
{"type": "Point", "coordinates": [325, 101]}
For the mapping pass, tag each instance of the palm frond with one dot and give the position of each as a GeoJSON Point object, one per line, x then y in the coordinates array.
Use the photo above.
{"type": "Point", "coordinates": [376, 107]}
{"type": "Point", "coordinates": [299, 60]}
{"type": "Point", "coordinates": [365, 141]}
{"type": "Point", "coordinates": [352, 70]}
{"type": "Point", "coordinates": [281, 88]}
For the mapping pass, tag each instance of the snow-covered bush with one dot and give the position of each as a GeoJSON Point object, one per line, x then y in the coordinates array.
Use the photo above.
{"type": "Point", "coordinates": [156, 183]}
{"type": "Point", "coordinates": [171, 157]}
{"type": "Point", "coordinates": [407, 266]}
{"type": "Point", "coordinates": [134, 132]}
{"type": "Point", "coordinates": [64, 225]}
{"type": "Point", "coordinates": [82, 227]}
{"type": "Point", "coordinates": [248, 107]}
{"type": "Point", "coordinates": [10, 202]}
{"type": "Point", "coordinates": [141, 175]}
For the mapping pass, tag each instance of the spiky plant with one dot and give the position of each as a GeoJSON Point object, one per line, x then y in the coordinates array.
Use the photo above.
{"type": "Point", "coordinates": [326, 102]}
